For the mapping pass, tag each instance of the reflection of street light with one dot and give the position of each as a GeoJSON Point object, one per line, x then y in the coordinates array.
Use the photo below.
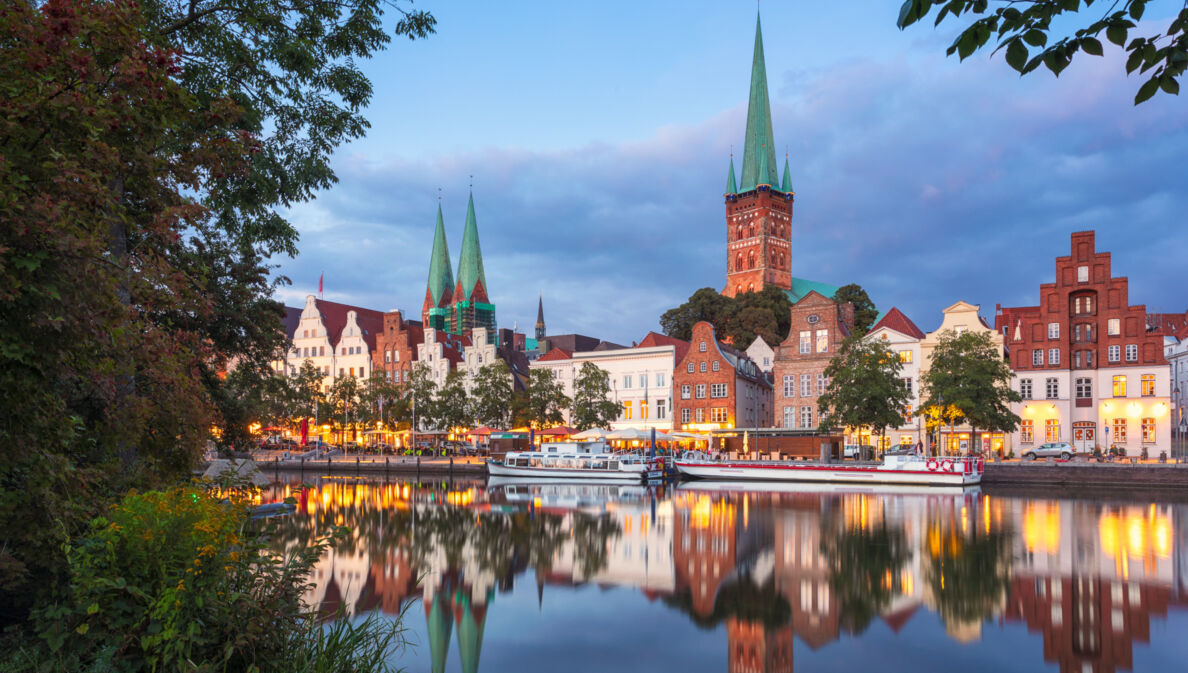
{"type": "Point", "coordinates": [1177, 425]}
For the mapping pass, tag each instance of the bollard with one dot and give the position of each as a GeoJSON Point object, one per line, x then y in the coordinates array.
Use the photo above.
{"type": "Point", "coordinates": [327, 463]}
{"type": "Point", "coordinates": [451, 466]}
{"type": "Point", "coordinates": [387, 464]}
{"type": "Point", "coordinates": [418, 464]}
{"type": "Point", "coordinates": [302, 464]}
{"type": "Point", "coordinates": [356, 464]}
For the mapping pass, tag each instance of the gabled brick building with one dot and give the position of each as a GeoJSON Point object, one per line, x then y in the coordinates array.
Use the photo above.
{"type": "Point", "coordinates": [819, 325]}
{"type": "Point", "coordinates": [718, 386]}
{"type": "Point", "coordinates": [396, 346]}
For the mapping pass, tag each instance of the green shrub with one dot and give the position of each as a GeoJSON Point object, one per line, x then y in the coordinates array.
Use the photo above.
{"type": "Point", "coordinates": [184, 580]}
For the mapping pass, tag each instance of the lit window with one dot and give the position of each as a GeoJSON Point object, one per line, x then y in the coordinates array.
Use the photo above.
{"type": "Point", "coordinates": [1148, 430]}
{"type": "Point", "coordinates": [1026, 428]}
{"type": "Point", "coordinates": [701, 391]}
{"type": "Point", "coordinates": [1113, 327]}
{"type": "Point", "coordinates": [1084, 388]}
{"type": "Point", "coordinates": [718, 415]}
{"type": "Point", "coordinates": [1025, 388]}
{"type": "Point", "coordinates": [1053, 330]}
{"type": "Point", "coordinates": [1051, 430]}
{"type": "Point", "coordinates": [806, 341]}
{"type": "Point", "coordinates": [822, 341]}
{"type": "Point", "coordinates": [1114, 353]}
{"type": "Point", "coordinates": [1120, 430]}
{"type": "Point", "coordinates": [789, 385]}
{"type": "Point", "coordinates": [643, 410]}
{"type": "Point", "coordinates": [1037, 357]}
{"type": "Point", "coordinates": [686, 390]}
{"type": "Point", "coordinates": [1053, 356]}
{"type": "Point", "coordinates": [1082, 274]}
{"type": "Point", "coordinates": [1119, 386]}
{"type": "Point", "coordinates": [1148, 385]}
{"type": "Point", "coordinates": [701, 415]}
{"type": "Point", "coordinates": [1052, 388]}
{"type": "Point", "coordinates": [905, 357]}
{"type": "Point", "coordinates": [1132, 352]}
{"type": "Point", "coordinates": [627, 410]}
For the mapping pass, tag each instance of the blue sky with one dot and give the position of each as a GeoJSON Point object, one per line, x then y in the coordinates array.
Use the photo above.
{"type": "Point", "coordinates": [598, 135]}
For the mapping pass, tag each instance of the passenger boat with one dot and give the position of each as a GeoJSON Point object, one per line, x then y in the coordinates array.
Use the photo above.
{"type": "Point", "coordinates": [897, 468]}
{"type": "Point", "coordinates": [577, 460]}
{"type": "Point", "coordinates": [724, 486]}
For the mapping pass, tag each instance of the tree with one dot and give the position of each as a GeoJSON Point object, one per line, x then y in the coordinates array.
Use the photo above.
{"type": "Point", "coordinates": [308, 400]}
{"type": "Point", "coordinates": [453, 404]}
{"type": "Point", "coordinates": [865, 388]}
{"type": "Point", "coordinates": [967, 374]}
{"type": "Point", "coordinates": [491, 395]}
{"type": "Point", "coordinates": [380, 400]}
{"type": "Point", "coordinates": [421, 392]}
{"type": "Point", "coordinates": [1023, 26]}
{"type": "Point", "coordinates": [865, 312]}
{"type": "Point", "coordinates": [738, 319]}
{"type": "Point", "coordinates": [592, 406]}
{"type": "Point", "coordinates": [705, 304]}
{"type": "Point", "coordinates": [546, 399]}
{"type": "Point", "coordinates": [343, 397]}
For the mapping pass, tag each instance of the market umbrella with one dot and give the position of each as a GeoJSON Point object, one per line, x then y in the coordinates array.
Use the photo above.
{"type": "Point", "coordinates": [592, 433]}
{"type": "Point", "coordinates": [559, 431]}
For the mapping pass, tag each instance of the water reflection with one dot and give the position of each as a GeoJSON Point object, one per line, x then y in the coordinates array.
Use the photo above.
{"type": "Point", "coordinates": [763, 567]}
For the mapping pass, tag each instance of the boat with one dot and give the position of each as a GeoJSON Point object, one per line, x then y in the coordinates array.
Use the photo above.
{"type": "Point", "coordinates": [577, 460]}
{"type": "Point", "coordinates": [897, 467]}
{"type": "Point", "coordinates": [583, 494]}
{"type": "Point", "coordinates": [723, 486]}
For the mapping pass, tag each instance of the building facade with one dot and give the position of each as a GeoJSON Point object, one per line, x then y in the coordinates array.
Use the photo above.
{"type": "Point", "coordinates": [718, 387]}
{"type": "Point", "coordinates": [1089, 369]}
{"type": "Point", "coordinates": [902, 337]}
{"type": "Point", "coordinates": [396, 346]}
{"type": "Point", "coordinates": [819, 325]}
{"type": "Point", "coordinates": [337, 338]}
{"type": "Point", "coordinates": [762, 354]}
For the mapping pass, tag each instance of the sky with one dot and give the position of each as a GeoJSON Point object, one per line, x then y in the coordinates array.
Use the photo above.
{"type": "Point", "coordinates": [597, 138]}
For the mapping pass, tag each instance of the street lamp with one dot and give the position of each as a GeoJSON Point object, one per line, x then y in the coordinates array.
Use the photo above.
{"type": "Point", "coordinates": [1177, 426]}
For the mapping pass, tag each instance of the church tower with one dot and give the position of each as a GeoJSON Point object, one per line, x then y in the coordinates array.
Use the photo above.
{"type": "Point", "coordinates": [439, 291]}
{"type": "Point", "coordinates": [471, 305]}
{"type": "Point", "coordinates": [759, 206]}
{"type": "Point", "coordinates": [540, 323]}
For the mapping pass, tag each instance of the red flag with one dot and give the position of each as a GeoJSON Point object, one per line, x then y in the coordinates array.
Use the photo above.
{"type": "Point", "coordinates": [320, 282]}
{"type": "Point", "coordinates": [304, 431]}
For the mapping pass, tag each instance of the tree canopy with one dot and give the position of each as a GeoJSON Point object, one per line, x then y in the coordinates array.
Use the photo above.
{"type": "Point", "coordinates": [592, 405]}
{"type": "Point", "coordinates": [546, 399]}
{"type": "Point", "coordinates": [968, 378]}
{"type": "Point", "coordinates": [766, 313]}
{"type": "Point", "coordinates": [491, 395]}
{"type": "Point", "coordinates": [865, 389]}
{"type": "Point", "coordinates": [1023, 30]}
{"type": "Point", "coordinates": [865, 312]}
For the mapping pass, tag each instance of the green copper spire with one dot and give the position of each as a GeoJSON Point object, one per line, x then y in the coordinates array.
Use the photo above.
{"type": "Point", "coordinates": [786, 184]}
{"type": "Point", "coordinates": [731, 186]}
{"type": "Point", "coordinates": [757, 169]}
{"type": "Point", "coordinates": [441, 276]}
{"type": "Point", "coordinates": [470, 262]}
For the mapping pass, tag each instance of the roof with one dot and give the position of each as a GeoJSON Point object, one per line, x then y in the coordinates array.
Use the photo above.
{"type": "Point", "coordinates": [556, 354]}
{"type": "Point", "coordinates": [802, 286]}
{"type": "Point", "coordinates": [608, 346]}
{"type": "Point", "coordinates": [759, 162]}
{"type": "Point", "coordinates": [290, 320]}
{"type": "Point", "coordinates": [1167, 324]}
{"type": "Point", "coordinates": [786, 183]}
{"type": "Point", "coordinates": [441, 277]}
{"type": "Point", "coordinates": [680, 346]}
{"type": "Point", "coordinates": [470, 261]}
{"type": "Point", "coordinates": [574, 343]}
{"type": "Point", "coordinates": [334, 317]}
{"type": "Point", "coordinates": [731, 185]}
{"type": "Point", "coordinates": [896, 320]}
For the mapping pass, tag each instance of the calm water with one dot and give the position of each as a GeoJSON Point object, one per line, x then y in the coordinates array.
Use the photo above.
{"type": "Point", "coordinates": [709, 578]}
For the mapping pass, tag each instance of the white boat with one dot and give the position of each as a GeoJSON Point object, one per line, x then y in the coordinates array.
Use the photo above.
{"type": "Point", "coordinates": [896, 468]}
{"type": "Point", "coordinates": [577, 460]}
{"type": "Point", "coordinates": [823, 488]}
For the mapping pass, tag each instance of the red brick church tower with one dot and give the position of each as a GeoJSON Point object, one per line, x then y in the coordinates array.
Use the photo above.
{"type": "Point", "coordinates": [759, 207]}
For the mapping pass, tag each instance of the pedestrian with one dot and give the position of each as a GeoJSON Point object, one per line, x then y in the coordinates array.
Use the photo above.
{"type": "Point", "coordinates": [919, 448]}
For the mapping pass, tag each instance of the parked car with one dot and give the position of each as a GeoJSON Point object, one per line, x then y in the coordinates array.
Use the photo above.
{"type": "Point", "coordinates": [856, 451]}
{"type": "Point", "coordinates": [1062, 450]}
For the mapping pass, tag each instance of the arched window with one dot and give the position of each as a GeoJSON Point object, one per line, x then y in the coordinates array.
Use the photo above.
{"type": "Point", "coordinates": [751, 287]}
{"type": "Point", "coordinates": [738, 262]}
{"type": "Point", "coordinates": [751, 260]}
{"type": "Point", "coordinates": [738, 233]}
{"type": "Point", "coordinates": [750, 230]}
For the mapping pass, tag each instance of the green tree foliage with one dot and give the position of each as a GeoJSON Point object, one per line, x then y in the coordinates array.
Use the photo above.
{"type": "Point", "coordinates": [491, 395]}
{"type": "Point", "coordinates": [766, 313]}
{"type": "Point", "coordinates": [1023, 30]}
{"type": "Point", "coordinates": [305, 394]}
{"type": "Point", "coordinates": [381, 400]}
{"type": "Point", "coordinates": [344, 401]}
{"type": "Point", "coordinates": [865, 388]}
{"type": "Point", "coordinates": [421, 392]}
{"type": "Point", "coordinates": [865, 312]}
{"type": "Point", "coordinates": [968, 378]}
{"type": "Point", "coordinates": [545, 400]}
{"type": "Point", "coordinates": [592, 405]}
{"type": "Point", "coordinates": [861, 558]}
{"type": "Point", "coordinates": [453, 403]}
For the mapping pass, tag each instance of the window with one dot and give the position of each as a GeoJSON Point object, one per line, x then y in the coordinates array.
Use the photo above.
{"type": "Point", "coordinates": [789, 385]}
{"type": "Point", "coordinates": [1053, 356]}
{"type": "Point", "coordinates": [643, 410]}
{"type": "Point", "coordinates": [661, 407]}
{"type": "Point", "coordinates": [660, 380]}
{"type": "Point", "coordinates": [1083, 305]}
{"type": "Point", "coordinates": [806, 417]}
{"type": "Point", "coordinates": [1113, 327]}
{"type": "Point", "coordinates": [1077, 359]}
{"type": "Point", "coordinates": [1147, 384]}
{"type": "Point", "coordinates": [701, 415]}
{"type": "Point", "coordinates": [1132, 352]}
{"type": "Point", "coordinates": [306, 334]}
{"type": "Point", "coordinates": [1148, 430]}
{"type": "Point", "coordinates": [690, 367]}
{"type": "Point", "coordinates": [1084, 388]}
{"type": "Point", "coordinates": [387, 356]}
{"type": "Point", "coordinates": [1025, 388]}
{"type": "Point", "coordinates": [627, 410]}
{"type": "Point", "coordinates": [1082, 274]}
{"type": "Point", "coordinates": [1052, 388]}
{"type": "Point", "coordinates": [1053, 330]}
{"type": "Point", "coordinates": [1119, 430]}
{"type": "Point", "coordinates": [686, 390]}
{"type": "Point", "coordinates": [1026, 428]}
{"type": "Point", "coordinates": [1051, 430]}
{"type": "Point", "coordinates": [685, 415]}
{"type": "Point", "coordinates": [715, 367]}
{"type": "Point", "coordinates": [907, 384]}
{"type": "Point", "coordinates": [718, 390]}
{"type": "Point", "coordinates": [1119, 386]}
{"type": "Point", "coordinates": [822, 341]}
{"type": "Point", "coordinates": [806, 339]}
{"type": "Point", "coordinates": [718, 415]}
{"type": "Point", "coordinates": [701, 347]}
{"type": "Point", "coordinates": [1037, 358]}
{"type": "Point", "coordinates": [805, 386]}
{"type": "Point", "coordinates": [789, 417]}
{"type": "Point", "coordinates": [905, 357]}
{"type": "Point", "coordinates": [1114, 353]}
{"type": "Point", "coordinates": [701, 391]}
{"type": "Point", "coordinates": [340, 371]}
{"type": "Point", "coordinates": [701, 367]}
{"type": "Point", "coordinates": [627, 381]}
{"type": "Point", "coordinates": [820, 384]}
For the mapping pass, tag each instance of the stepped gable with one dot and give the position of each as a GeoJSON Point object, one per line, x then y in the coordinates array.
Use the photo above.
{"type": "Point", "coordinates": [334, 317]}
{"type": "Point", "coordinates": [653, 339]}
{"type": "Point", "coordinates": [896, 320]}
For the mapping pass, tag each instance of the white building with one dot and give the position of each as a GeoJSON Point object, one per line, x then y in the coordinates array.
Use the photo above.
{"type": "Point", "coordinates": [336, 338]}
{"type": "Point", "coordinates": [762, 354]}
{"type": "Point", "coordinates": [902, 337]}
{"type": "Point", "coordinates": [959, 318]}
{"type": "Point", "coordinates": [1176, 352]}
{"type": "Point", "coordinates": [441, 352]}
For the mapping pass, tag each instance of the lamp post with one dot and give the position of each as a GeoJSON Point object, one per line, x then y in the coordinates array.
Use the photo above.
{"type": "Point", "coordinates": [1177, 425]}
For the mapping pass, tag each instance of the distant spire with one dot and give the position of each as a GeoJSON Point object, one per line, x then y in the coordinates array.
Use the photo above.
{"type": "Point", "coordinates": [786, 184]}
{"type": "Point", "coordinates": [759, 136]}
{"type": "Point", "coordinates": [470, 261]}
{"type": "Point", "coordinates": [731, 186]}
{"type": "Point", "coordinates": [540, 323]}
{"type": "Point", "coordinates": [441, 276]}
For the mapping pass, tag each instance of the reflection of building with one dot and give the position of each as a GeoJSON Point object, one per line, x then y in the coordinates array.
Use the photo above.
{"type": "Point", "coordinates": [754, 648]}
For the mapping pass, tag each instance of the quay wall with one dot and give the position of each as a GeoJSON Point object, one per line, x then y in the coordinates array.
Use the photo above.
{"type": "Point", "coordinates": [1087, 475]}
{"type": "Point", "coordinates": [391, 465]}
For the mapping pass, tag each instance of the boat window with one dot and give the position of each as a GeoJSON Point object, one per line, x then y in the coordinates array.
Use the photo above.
{"type": "Point", "coordinates": [614, 465]}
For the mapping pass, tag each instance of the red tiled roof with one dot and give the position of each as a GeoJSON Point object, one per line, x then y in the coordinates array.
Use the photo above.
{"type": "Point", "coordinates": [1009, 316]}
{"type": "Point", "coordinates": [1167, 324]}
{"type": "Point", "coordinates": [896, 320]}
{"type": "Point", "coordinates": [334, 317]}
{"type": "Point", "coordinates": [555, 354]}
{"type": "Point", "coordinates": [653, 339]}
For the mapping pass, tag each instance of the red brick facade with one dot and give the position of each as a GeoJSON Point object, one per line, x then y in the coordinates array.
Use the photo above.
{"type": "Point", "coordinates": [396, 345]}
{"type": "Point", "coordinates": [716, 386]}
{"type": "Point", "coordinates": [819, 325]}
{"type": "Point", "coordinates": [758, 240]}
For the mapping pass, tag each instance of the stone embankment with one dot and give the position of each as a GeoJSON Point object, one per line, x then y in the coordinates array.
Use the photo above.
{"type": "Point", "coordinates": [1087, 475]}
{"type": "Point", "coordinates": [408, 465]}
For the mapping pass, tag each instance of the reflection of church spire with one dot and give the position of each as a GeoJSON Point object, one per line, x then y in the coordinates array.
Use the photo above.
{"type": "Point", "coordinates": [472, 620]}
{"type": "Point", "coordinates": [440, 624]}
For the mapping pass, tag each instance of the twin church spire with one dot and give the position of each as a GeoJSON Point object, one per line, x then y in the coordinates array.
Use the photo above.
{"type": "Point", "coordinates": [457, 304]}
{"type": "Point", "coordinates": [759, 159]}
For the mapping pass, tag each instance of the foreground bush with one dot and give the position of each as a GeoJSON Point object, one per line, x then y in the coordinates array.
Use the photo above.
{"type": "Point", "coordinates": [183, 580]}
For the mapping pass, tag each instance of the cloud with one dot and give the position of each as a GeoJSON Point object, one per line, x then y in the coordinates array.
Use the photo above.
{"type": "Point", "coordinates": [924, 180]}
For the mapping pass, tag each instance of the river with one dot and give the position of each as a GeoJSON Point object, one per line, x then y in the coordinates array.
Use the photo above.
{"type": "Point", "coordinates": [714, 577]}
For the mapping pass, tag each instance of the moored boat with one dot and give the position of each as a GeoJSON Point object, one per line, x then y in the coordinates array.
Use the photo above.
{"type": "Point", "coordinates": [577, 460]}
{"type": "Point", "coordinates": [896, 468]}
